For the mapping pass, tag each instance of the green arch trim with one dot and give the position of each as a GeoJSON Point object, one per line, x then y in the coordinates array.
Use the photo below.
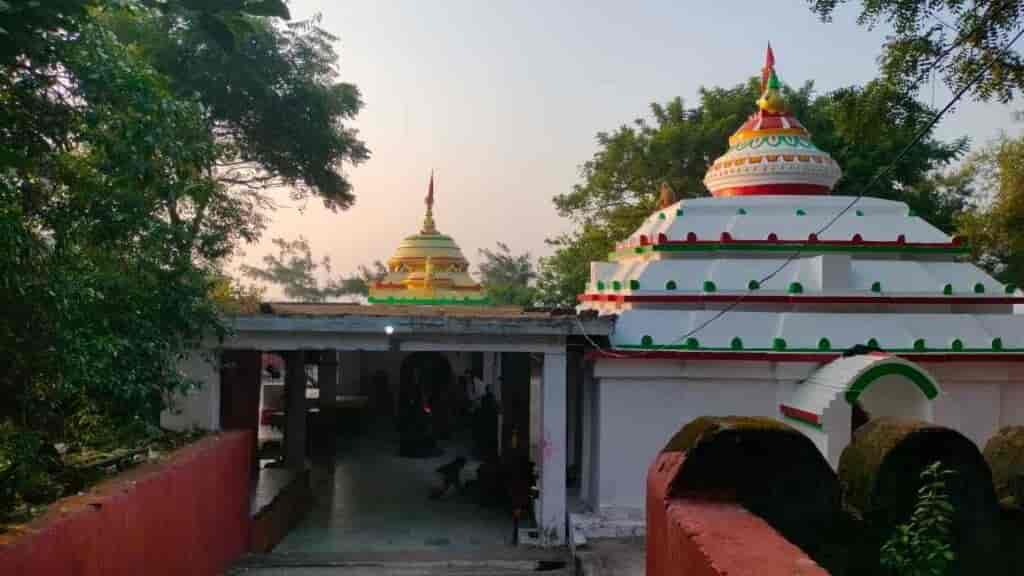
{"type": "Point", "coordinates": [915, 375]}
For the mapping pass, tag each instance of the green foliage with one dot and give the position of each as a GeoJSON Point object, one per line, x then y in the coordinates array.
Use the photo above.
{"type": "Point", "coordinates": [118, 206]}
{"type": "Point", "coordinates": [863, 127]}
{"type": "Point", "coordinates": [295, 270]}
{"type": "Point", "coordinates": [232, 297]}
{"type": "Point", "coordinates": [270, 91]}
{"type": "Point", "coordinates": [27, 464]}
{"type": "Point", "coordinates": [921, 547]}
{"type": "Point", "coordinates": [508, 278]}
{"type": "Point", "coordinates": [359, 283]}
{"type": "Point", "coordinates": [953, 38]}
{"type": "Point", "coordinates": [994, 228]}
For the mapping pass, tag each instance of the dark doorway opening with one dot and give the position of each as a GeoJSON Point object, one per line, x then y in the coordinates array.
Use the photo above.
{"type": "Point", "coordinates": [424, 404]}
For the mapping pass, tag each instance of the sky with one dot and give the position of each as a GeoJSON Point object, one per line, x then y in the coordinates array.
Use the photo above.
{"type": "Point", "coordinates": [503, 99]}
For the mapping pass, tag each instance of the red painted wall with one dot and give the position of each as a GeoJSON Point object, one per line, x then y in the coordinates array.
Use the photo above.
{"type": "Point", "coordinates": [188, 514]}
{"type": "Point", "coordinates": [691, 537]}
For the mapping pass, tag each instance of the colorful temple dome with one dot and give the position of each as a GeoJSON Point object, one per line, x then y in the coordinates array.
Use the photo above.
{"type": "Point", "coordinates": [772, 153]}
{"type": "Point", "coordinates": [798, 270]}
{"type": "Point", "coordinates": [428, 268]}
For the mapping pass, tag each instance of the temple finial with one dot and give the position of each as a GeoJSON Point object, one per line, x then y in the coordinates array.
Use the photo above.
{"type": "Point", "coordinates": [769, 67]}
{"type": "Point", "coordinates": [666, 196]}
{"type": "Point", "coordinates": [428, 220]}
{"type": "Point", "coordinates": [771, 100]}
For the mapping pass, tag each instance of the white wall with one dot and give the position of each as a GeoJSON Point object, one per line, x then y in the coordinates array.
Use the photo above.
{"type": "Point", "coordinates": [972, 408]}
{"type": "Point", "coordinates": [1012, 403]}
{"type": "Point", "coordinates": [200, 408]}
{"type": "Point", "coordinates": [638, 416]}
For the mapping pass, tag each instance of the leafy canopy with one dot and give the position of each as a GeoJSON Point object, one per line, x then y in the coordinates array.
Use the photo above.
{"type": "Point", "coordinates": [295, 270]}
{"type": "Point", "coordinates": [118, 204]}
{"type": "Point", "coordinates": [954, 39]}
{"type": "Point", "coordinates": [994, 228]}
{"type": "Point", "coordinates": [863, 127]}
{"type": "Point", "coordinates": [270, 93]}
{"type": "Point", "coordinates": [507, 278]}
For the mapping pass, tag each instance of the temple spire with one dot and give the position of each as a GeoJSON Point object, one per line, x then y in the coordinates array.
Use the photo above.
{"type": "Point", "coordinates": [428, 220]}
{"type": "Point", "coordinates": [769, 67]}
{"type": "Point", "coordinates": [771, 100]}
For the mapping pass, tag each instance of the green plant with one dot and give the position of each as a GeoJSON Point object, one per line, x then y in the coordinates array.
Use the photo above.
{"type": "Point", "coordinates": [921, 547]}
{"type": "Point", "coordinates": [27, 467]}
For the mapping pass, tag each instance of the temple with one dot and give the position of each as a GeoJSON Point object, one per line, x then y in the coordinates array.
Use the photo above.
{"type": "Point", "coordinates": [771, 298]}
{"type": "Point", "coordinates": [428, 268]}
{"type": "Point", "coordinates": [774, 298]}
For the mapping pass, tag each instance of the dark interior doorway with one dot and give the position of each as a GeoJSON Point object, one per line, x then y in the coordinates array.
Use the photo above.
{"type": "Point", "coordinates": [425, 403]}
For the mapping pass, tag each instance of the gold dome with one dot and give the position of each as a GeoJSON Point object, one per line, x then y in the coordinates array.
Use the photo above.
{"type": "Point", "coordinates": [428, 268]}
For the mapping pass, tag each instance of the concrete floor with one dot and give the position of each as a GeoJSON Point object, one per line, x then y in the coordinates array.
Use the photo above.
{"type": "Point", "coordinates": [612, 557]}
{"type": "Point", "coordinates": [378, 502]}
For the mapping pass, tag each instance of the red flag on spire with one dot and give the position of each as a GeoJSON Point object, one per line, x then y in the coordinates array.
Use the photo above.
{"type": "Point", "coordinates": [769, 65]}
{"type": "Point", "coordinates": [430, 191]}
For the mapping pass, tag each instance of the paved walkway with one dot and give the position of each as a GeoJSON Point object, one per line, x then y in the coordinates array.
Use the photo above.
{"type": "Point", "coordinates": [612, 557]}
{"type": "Point", "coordinates": [378, 502]}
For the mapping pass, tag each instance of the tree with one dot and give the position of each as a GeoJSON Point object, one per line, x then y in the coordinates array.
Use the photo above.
{"type": "Point", "coordinates": [117, 215]}
{"type": "Point", "coordinates": [232, 297]}
{"type": "Point", "coordinates": [295, 270]}
{"type": "Point", "coordinates": [863, 127]}
{"type": "Point", "coordinates": [270, 91]}
{"type": "Point", "coordinates": [360, 282]}
{"type": "Point", "coordinates": [994, 228]}
{"type": "Point", "coordinates": [508, 278]}
{"type": "Point", "coordinates": [953, 38]}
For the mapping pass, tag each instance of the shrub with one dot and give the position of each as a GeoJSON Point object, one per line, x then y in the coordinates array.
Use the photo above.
{"type": "Point", "coordinates": [921, 547]}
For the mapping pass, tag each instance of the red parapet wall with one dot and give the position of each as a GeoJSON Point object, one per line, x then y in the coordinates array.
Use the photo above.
{"type": "Point", "coordinates": [693, 537]}
{"type": "Point", "coordinates": [188, 514]}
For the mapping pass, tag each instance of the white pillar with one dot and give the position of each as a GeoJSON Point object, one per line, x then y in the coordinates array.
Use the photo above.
{"type": "Point", "coordinates": [587, 391]}
{"type": "Point", "coordinates": [552, 517]}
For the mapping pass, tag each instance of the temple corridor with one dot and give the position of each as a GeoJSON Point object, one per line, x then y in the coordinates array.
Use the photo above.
{"type": "Point", "coordinates": [377, 501]}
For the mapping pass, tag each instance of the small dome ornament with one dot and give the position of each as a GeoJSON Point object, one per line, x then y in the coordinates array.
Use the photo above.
{"type": "Point", "coordinates": [772, 153]}
{"type": "Point", "coordinates": [428, 268]}
{"type": "Point", "coordinates": [666, 196]}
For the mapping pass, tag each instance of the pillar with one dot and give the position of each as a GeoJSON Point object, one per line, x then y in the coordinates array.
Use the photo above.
{"type": "Point", "coordinates": [490, 371]}
{"type": "Point", "coordinates": [295, 406]}
{"type": "Point", "coordinates": [240, 379]}
{"type": "Point", "coordinates": [587, 392]}
{"type": "Point", "coordinates": [552, 518]}
{"type": "Point", "coordinates": [327, 374]}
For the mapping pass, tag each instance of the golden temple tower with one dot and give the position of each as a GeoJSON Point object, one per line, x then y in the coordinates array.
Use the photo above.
{"type": "Point", "coordinates": [428, 268]}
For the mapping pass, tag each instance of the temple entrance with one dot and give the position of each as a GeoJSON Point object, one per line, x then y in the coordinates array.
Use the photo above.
{"type": "Point", "coordinates": [439, 465]}
{"type": "Point", "coordinates": [899, 390]}
{"type": "Point", "coordinates": [843, 395]}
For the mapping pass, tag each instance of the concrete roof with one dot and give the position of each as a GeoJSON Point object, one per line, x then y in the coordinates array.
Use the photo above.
{"type": "Point", "coordinates": [418, 319]}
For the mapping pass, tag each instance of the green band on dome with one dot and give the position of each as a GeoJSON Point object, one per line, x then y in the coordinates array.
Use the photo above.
{"type": "Point", "coordinates": [430, 301]}
{"type": "Point", "coordinates": [871, 375]}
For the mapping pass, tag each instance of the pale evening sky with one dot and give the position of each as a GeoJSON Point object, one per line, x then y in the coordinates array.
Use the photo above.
{"type": "Point", "coordinates": [503, 99]}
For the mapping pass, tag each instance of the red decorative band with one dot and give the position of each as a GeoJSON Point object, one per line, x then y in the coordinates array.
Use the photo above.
{"type": "Point", "coordinates": [794, 299]}
{"type": "Point", "coordinates": [798, 414]}
{"type": "Point", "coordinates": [815, 357]}
{"type": "Point", "coordinates": [773, 190]}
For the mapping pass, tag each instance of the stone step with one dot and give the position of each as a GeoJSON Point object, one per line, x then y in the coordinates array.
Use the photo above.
{"type": "Point", "coordinates": [399, 564]}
